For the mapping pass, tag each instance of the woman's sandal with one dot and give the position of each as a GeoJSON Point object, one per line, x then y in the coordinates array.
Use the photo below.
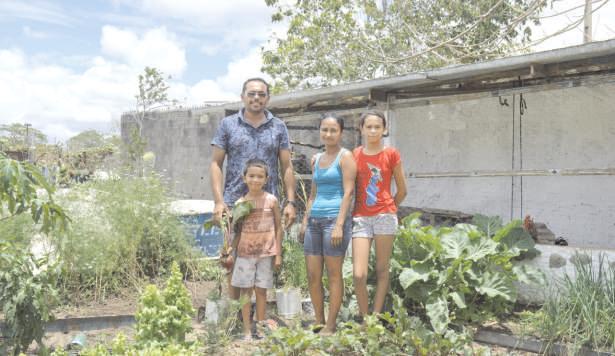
{"type": "Point", "coordinates": [317, 328]}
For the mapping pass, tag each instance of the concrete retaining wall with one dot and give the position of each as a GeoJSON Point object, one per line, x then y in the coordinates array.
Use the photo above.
{"type": "Point", "coordinates": [568, 128]}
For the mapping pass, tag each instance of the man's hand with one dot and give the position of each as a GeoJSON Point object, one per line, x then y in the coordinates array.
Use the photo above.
{"type": "Point", "coordinates": [277, 263]}
{"type": "Point", "coordinates": [289, 215]}
{"type": "Point", "coordinates": [219, 209]}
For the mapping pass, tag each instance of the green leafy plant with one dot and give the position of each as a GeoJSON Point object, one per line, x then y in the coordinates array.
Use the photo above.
{"type": "Point", "coordinates": [487, 224]}
{"type": "Point", "coordinates": [19, 182]}
{"type": "Point", "coordinates": [27, 296]}
{"type": "Point", "coordinates": [290, 341]}
{"type": "Point", "coordinates": [121, 347]}
{"type": "Point", "coordinates": [219, 334]}
{"type": "Point", "coordinates": [123, 232]}
{"type": "Point", "coordinates": [206, 269]}
{"type": "Point", "coordinates": [451, 276]}
{"type": "Point", "coordinates": [386, 334]}
{"type": "Point", "coordinates": [164, 318]}
{"type": "Point", "coordinates": [293, 273]}
{"type": "Point", "coordinates": [578, 311]}
{"type": "Point", "coordinates": [231, 226]}
{"type": "Point", "coordinates": [27, 284]}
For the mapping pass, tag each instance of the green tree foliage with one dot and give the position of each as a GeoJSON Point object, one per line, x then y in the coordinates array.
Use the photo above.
{"type": "Point", "coordinates": [334, 41]}
{"type": "Point", "coordinates": [152, 95]}
{"type": "Point", "coordinates": [27, 284]}
{"type": "Point", "coordinates": [18, 136]}
{"type": "Point", "coordinates": [85, 140]}
{"type": "Point", "coordinates": [19, 182]}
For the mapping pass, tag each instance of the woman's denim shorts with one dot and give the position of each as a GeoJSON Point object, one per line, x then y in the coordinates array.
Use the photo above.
{"type": "Point", "coordinates": [317, 240]}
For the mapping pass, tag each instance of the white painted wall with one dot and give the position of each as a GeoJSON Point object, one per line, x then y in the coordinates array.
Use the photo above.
{"type": "Point", "coordinates": [566, 128]}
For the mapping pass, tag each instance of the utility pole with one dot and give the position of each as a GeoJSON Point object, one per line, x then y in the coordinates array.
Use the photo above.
{"type": "Point", "coordinates": [587, 27]}
{"type": "Point", "coordinates": [27, 141]}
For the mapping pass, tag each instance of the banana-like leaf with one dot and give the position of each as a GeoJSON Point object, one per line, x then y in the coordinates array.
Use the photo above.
{"type": "Point", "coordinates": [528, 274]}
{"type": "Point", "coordinates": [454, 244]}
{"type": "Point", "coordinates": [518, 241]}
{"type": "Point", "coordinates": [495, 284]}
{"type": "Point", "coordinates": [488, 224]}
{"type": "Point", "coordinates": [241, 210]}
{"type": "Point", "coordinates": [418, 272]}
{"type": "Point", "coordinates": [478, 249]}
{"type": "Point", "coordinates": [458, 299]}
{"type": "Point", "coordinates": [437, 311]}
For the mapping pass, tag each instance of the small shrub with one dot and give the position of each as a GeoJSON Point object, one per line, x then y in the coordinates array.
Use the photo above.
{"type": "Point", "coordinates": [293, 273]}
{"type": "Point", "coordinates": [164, 318]}
{"type": "Point", "coordinates": [27, 296]}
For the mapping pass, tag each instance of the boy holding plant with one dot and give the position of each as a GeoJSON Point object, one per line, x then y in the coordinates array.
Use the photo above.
{"type": "Point", "coordinates": [259, 249]}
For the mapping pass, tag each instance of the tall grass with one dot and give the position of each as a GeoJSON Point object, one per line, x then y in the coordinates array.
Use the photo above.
{"type": "Point", "coordinates": [579, 312]}
{"type": "Point", "coordinates": [122, 232]}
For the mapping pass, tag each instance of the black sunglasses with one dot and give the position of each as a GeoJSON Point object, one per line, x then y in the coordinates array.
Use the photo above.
{"type": "Point", "coordinates": [253, 94]}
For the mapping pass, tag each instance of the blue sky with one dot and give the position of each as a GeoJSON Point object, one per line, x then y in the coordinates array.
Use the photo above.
{"type": "Point", "coordinates": [69, 66]}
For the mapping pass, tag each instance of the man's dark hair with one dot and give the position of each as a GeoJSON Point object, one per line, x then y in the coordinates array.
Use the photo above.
{"type": "Point", "coordinates": [255, 162]}
{"type": "Point", "coordinates": [245, 84]}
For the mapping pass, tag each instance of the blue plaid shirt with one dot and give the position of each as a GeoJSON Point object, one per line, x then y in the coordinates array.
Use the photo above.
{"type": "Point", "coordinates": [241, 142]}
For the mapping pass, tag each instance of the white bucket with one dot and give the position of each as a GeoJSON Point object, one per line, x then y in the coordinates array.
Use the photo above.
{"type": "Point", "coordinates": [214, 310]}
{"type": "Point", "coordinates": [288, 301]}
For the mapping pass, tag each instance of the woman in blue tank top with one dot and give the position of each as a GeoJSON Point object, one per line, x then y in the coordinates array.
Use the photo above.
{"type": "Point", "coordinates": [327, 227]}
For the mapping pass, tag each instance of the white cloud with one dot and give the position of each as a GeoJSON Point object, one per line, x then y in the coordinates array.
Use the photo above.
{"type": "Point", "coordinates": [223, 88]}
{"type": "Point", "coordinates": [59, 101]}
{"type": "Point", "coordinates": [156, 48]}
{"type": "Point", "coordinates": [235, 24]}
{"type": "Point", "coordinates": [63, 102]}
{"type": "Point", "coordinates": [241, 69]}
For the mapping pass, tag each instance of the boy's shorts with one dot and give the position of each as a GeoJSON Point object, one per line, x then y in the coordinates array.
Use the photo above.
{"type": "Point", "coordinates": [317, 240]}
{"type": "Point", "coordinates": [369, 226]}
{"type": "Point", "coordinates": [251, 272]}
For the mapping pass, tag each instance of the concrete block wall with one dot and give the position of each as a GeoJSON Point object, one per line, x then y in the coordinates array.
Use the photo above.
{"type": "Point", "coordinates": [181, 141]}
{"type": "Point", "coordinates": [566, 128]}
{"type": "Point", "coordinates": [309, 134]}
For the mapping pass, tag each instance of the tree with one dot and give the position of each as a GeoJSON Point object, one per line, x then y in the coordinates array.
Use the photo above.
{"type": "Point", "coordinates": [334, 41]}
{"type": "Point", "coordinates": [19, 182]}
{"type": "Point", "coordinates": [18, 136]}
{"type": "Point", "coordinates": [27, 284]}
{"type": "Point", "coordinates": [152, 95]}
{"type": "Point", "coordinates": [85, 140]}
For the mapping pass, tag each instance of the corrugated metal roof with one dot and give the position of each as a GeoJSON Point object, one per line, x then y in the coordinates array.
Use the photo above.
{"type": "Point", "coordinates": [456, 72]}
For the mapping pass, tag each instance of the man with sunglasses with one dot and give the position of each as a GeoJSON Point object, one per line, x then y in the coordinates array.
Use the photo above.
{"type": "Point", "coordinates": [252, 132]}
